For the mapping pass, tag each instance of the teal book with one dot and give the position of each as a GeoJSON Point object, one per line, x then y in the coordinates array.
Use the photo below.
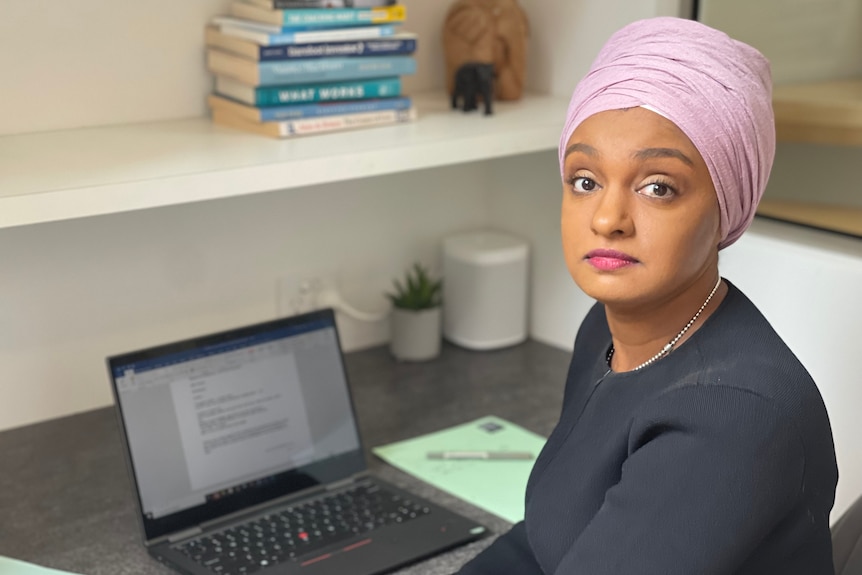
{"type": "Point", "coordinates": [266, 35]}
{"type": "Point", "coordinates": [305, 111]}
{"type": "Point", "coordinates": [308, 93]}
{"type": "Point", "coordinates": [315, 18]}
{"type": "Point", "coordinates": [308, 71]}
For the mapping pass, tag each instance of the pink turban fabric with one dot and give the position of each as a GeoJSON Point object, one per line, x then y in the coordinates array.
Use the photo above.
{"type": "Point", "coordinates": [717, 90]}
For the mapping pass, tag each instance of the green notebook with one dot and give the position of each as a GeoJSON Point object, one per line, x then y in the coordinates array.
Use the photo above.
{"type": "Point", "coordinates": [15, 567]}
{"type": "Point", "coordinates": [497, 486]}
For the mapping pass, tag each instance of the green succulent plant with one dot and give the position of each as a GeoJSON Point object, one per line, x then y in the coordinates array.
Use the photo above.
{"type": "Point", "coordinates": [418, 291]}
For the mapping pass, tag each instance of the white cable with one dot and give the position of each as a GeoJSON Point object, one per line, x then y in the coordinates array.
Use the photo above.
{"type": "Point", "coordinates": [331, 298]}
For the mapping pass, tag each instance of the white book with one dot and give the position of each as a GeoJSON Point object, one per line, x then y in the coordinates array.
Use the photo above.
{"type": "Point", "coordinates": [222, 21]}
{"type": "Point", "coordinates": [319, 125]}
{"type": "Point", "coordinates": [323, 3]}
{"type": "Point", "coordinates": [269, 35]}
{"type": "Point", "coordinates": [235, 89]}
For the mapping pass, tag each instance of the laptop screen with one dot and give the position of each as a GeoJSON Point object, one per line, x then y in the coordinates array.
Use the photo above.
{"type": "Point", "coordinates": [223, 422]}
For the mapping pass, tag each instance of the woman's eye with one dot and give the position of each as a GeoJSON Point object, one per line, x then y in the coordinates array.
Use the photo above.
{"type": "Point", "coordinates": [581, 184]}
{"type": "Point", "coordinates": [657, 190]}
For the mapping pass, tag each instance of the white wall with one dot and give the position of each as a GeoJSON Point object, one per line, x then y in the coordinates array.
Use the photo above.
{"type": "Point", "coordinates": [73, 292]}
{"type": "Point", "coordinates": [95, 62]}
{"type": "Point", "coordinates": [567, 35]}
{"type": "Point", "coordinates": [805, 40]}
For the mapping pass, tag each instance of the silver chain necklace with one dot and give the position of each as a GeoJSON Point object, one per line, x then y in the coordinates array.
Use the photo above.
{"type": "Point", "coordinates": [669, 347]}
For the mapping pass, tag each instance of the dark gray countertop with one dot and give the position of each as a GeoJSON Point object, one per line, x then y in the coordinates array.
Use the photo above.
{"type": "Point", "coordinates": [66, 499]}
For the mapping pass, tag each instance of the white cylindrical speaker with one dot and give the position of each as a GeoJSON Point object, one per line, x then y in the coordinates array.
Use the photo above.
{"type": "Point", "coordinates": [485, 277]}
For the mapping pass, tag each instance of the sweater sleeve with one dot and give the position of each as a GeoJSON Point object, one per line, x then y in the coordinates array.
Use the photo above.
{"type": "Point", "coordinates": [510, 554]}
{"type": "Point", "coordinates": [711, 471]}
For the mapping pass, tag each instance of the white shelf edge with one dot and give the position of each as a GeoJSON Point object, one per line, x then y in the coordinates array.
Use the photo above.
{"type": "Point", "coordinates": [242, 164]}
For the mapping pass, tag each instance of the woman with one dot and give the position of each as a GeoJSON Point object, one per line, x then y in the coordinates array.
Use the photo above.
{"type": "Point", "coordinates": [691, 439]}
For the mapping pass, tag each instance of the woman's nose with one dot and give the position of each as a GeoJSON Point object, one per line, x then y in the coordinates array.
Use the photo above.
{"type": "Point", "coordinates": [611, 212]}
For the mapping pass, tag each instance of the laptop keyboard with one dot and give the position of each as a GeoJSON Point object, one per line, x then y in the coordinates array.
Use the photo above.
{"type": "Point", "coordinates": [301, 529]}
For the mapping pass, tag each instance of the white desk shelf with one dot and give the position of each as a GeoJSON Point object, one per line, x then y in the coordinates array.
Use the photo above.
{"type": "Point", "coordinates": [822, 113]}
{"type": "Point", "coordinates": [70, 174]}
{"type": "Point", "coordinates": [843, 219]}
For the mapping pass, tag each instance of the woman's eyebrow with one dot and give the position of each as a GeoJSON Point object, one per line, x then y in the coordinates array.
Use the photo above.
{"type": "Point", "coordinates": [583, 148]}
{"type": "Point", "coordinates": [648, 153]}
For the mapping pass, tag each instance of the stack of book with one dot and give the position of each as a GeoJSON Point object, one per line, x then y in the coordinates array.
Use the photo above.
{"type": "Point", "coordinates": [291, 67]}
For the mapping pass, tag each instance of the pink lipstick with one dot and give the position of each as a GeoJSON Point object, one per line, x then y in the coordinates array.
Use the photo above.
{"type": "Point", "coordinates": [609, 260]}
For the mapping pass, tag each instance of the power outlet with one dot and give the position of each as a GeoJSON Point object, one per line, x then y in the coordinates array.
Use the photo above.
{"type": "Point", "coordinates": [295, 294]}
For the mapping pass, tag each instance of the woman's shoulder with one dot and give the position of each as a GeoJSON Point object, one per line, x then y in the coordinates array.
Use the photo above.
{"type": "Point", "coordinates": [739, 346]}
{"type": "Point", "coordinates": [741, 351]}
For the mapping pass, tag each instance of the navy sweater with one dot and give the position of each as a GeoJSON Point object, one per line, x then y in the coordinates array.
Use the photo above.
{"type": "Point", "coordinates": [716, 460]}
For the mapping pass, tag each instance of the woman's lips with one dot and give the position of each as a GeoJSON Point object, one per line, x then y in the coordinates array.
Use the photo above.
{"type": "Point", "coordinates": [609, 260]}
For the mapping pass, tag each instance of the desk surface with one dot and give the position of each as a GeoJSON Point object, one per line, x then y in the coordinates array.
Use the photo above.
{"type": "Point", "coordinates": [66, 499]}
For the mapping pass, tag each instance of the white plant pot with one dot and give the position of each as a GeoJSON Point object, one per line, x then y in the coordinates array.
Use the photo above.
{"type": "Point", "coordinates": [416, 335]}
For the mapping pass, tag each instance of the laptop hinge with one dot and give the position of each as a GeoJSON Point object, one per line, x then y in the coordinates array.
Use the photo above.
{"type": "Point", "coordinates": [185, 534]}
{"type": "Point", "coordinates": [339, 484]}
{"type": "Point", "coordinates": [345, 482]}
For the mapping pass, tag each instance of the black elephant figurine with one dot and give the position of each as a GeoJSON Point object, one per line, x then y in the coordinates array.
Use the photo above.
{"type": "Point", "coordinates": [471, 79]}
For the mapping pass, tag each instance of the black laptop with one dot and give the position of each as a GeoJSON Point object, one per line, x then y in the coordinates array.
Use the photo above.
{"type": "Point", "coordinates": [245, 455]}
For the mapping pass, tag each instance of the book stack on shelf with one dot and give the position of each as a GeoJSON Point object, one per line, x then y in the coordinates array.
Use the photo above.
{"type": "Point", "coordinates": [292, 67]}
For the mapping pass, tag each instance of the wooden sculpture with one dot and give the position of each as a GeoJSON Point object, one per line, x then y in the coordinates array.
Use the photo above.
{"type": "Point", "coordinates": [488, 31]}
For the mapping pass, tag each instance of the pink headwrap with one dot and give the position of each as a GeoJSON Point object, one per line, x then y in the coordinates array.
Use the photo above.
{"type": "Point", "coordinates": [717, 90]}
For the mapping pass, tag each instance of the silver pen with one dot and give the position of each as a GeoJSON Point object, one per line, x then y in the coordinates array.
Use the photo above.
{"type": "Point", "coordinates": [498, 455]}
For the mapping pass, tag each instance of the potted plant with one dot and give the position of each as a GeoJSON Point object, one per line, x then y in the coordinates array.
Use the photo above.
{"type": "Point", "coordinates": [416, 316]}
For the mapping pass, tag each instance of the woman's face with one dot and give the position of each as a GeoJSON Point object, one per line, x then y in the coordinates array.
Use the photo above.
{"type": "Point", "coordinates": [640, 218]}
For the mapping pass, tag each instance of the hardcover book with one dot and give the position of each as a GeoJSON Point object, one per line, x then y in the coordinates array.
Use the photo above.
{"type": "Point", "coordinates": [299, 111]}
{"type": "Point", "coordinates": [266, 35]}
{"type": "Point", "coordinates": [304, 19]}
{"type": "Point", "coordinates": [290, 128]}
{"type": "Point", "coordinates": [287, 4]}
{"type": "Point", "coordinates": [400, 44]}
{"type": "Point", "coordinates": [308, 93]}
{"type": "Point", "coordinates": [307, 70]}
